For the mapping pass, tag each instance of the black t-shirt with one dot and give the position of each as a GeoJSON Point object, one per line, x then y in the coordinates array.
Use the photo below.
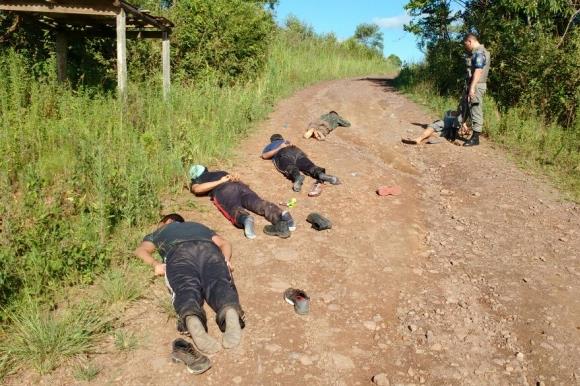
{"type": "Point", "coordinates": [287, 152]}
{"type": "Point", "coordinates": [172, 234]}
{"type": "Point", "coordinates": [210, 177]}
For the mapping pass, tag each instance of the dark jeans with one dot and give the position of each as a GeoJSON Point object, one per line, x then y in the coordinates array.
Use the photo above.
{"type": "Point", "coordinates": [235, 197]}
{"type": "Point", "coordinates": [196, 271]}
{"type": "Point", "coordinates": [290, 161]}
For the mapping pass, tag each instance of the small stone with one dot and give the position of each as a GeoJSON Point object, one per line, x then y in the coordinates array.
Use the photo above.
{"type": "Point", "coordinates": [412, 327]}
{"type": "Point", "coordinates": [381, 380]}
{"type": "Point", "coordinates": [411, 372]}
{"type": "Point", "coordinates": [422, 380]}
{"type": "Point", "coordinates": [520, 356]}
{"type": "Point", "coordinates": [305, 360]}
{"type": "Point", "coordinates": [476, 194]}
{"type": "Point", "coordinates": [370, 325]}
{"type": "Point", "coordinates": [429, 335]}
{"type": "Point", "coordinates": [237, 380]}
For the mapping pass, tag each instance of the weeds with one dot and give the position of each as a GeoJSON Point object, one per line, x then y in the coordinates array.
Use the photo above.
{"type": "Point", "coordinates": [42, 340]}
{"type": "Point", "coordinates": [86, 372]}
{"type": "Point", "coordinates": [123, 285]}
{"type": "Point", "coordinates": [125, 341]}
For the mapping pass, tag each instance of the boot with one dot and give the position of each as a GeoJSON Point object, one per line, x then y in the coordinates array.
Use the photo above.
{"type": "Point", "coordinates": [473, 141]}
{"type": "Point", "coordinates": [330, 179]}
{"type": "Point", "coordinates": [279, 229]}
{"type": "Point", "coordinates": [298, 181]}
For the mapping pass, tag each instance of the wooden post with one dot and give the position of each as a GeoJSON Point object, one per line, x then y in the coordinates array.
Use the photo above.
{"type": "Point", "coordinates": [121, 54]}
{"type": "Point", "coordinates": [61, 54]}
{"type": "Point", "coordinates": [166, 65]}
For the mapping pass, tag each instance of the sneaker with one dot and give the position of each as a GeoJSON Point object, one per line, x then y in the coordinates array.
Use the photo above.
{"type": "Point", "coordinates": [184, 352]}
{"type": "Point", "coordinates": [316, 189]}
{"type": "Point", "coordinates": [249, 228]}
{"type": "Point", "coordinates": [298, 299]}
{"type": "Point", "coordinates": [298, 183]}
{"type": "Point", "coordinates": [279, 229]}
{"type": "Point", "coordinates": [286, 216]}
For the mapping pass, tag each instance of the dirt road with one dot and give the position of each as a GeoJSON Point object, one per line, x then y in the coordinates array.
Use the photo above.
{"type": "Point", "coordinates": [471, 276]}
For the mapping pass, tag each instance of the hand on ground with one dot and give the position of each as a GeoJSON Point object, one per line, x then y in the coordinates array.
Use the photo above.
{"type": "Point", "coordinates": [159, 270]}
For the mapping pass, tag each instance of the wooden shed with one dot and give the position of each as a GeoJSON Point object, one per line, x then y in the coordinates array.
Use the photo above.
{"type": "Point", "coordinates": [99, 18]}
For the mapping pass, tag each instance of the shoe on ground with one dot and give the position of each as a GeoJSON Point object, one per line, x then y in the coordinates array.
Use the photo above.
{"type": "Point", "coordinates": [286, 216]}
{"type": "Point", "coordinates": [318, 221]}
{"type": "Point", "coordinates": [316, 189]}
{"type": "Point", "coordinates": [298, 299]}
{"type": "Point", "coordinates": [297, 186]}
{"type": "Point", "coordinates": [184, 352]}
{"type": "Point", "coordinates": [280, 229]}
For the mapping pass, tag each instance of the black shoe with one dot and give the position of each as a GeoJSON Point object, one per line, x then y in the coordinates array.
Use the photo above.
{"type": "Point", "coordinates": [184, 352]}
{"type": "Point", "coordinates": [298, 183]}
{"type": "Point", "coordinates": [318, 221]}
{"type": "Point", "coordinates": [279, 229]}
{"type": "Point", "coordinates": [473, 141]}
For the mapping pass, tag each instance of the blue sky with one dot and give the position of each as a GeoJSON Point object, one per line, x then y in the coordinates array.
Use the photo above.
{"type": "Point", "coordinates": [342, 17]}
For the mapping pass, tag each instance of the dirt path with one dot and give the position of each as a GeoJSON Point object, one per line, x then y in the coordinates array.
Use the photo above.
{"type": "Point", "coordinates": [474, 263]}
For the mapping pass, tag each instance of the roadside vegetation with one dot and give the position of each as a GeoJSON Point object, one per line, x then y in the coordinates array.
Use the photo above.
{"type": "Point", "coordinates": [532, 105]}
{"type": "Point", "coordinates": [82, 175]}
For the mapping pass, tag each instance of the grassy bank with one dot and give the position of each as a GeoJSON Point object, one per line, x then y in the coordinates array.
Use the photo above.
{"type": "Point", "coordinates": [82, 174]}
{"type": "Point", "coordinates": [537, 145]}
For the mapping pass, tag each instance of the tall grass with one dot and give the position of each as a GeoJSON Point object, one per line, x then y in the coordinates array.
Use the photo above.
{"type": "Point", "coordinates": [536, 144]}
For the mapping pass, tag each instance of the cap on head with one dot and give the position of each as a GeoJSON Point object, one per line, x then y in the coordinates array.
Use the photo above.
{"type": "Point", "coordinates": [276, 137]}
{"type": "Point", "coordinates": [195, 171]}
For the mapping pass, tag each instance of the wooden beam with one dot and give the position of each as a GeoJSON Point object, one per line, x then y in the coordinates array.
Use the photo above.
{"type": "Point", "coordinates": [121, 54]}
{"type": "Point", "coordinates": [166, 59]}
{"type": "Point", "coordinates": [38, 7]}
{"type": "Point", "coordinates": [61, 55]}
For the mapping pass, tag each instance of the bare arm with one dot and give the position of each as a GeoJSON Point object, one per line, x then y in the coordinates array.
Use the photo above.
{"type": "Point", "coordinates": [145, 252]}
{"type": "Point", "coordinates": [225, 246]}
{"type": "Point", "coordinates": [272, 153]}
{"type": "Point", "coordinates": [208, 186]}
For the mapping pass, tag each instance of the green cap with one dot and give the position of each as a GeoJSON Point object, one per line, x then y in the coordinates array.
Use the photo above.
{"type": "Point", "coordinates": [195, 171]}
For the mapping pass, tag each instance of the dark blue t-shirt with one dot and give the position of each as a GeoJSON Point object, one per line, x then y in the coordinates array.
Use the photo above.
{"type": "Point", "coordinates": [210, 177]}
{"type": "Point", "coordinates": [172, 234]}
{"type": "Point", "coordinates": [273, 145]}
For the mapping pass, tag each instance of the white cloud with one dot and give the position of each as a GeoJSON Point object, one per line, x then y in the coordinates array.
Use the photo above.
{"type": "Point", "coordinates": [392, 22]}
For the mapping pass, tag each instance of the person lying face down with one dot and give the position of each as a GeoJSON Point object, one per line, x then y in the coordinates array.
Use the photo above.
{"type": "Point", "coordinates": [291, 161]}
{"type": "Point", "coordinates": [320, 128]}
{"type": "Point", "coordinates": [197, 267]}
{"type": "Point", "coordinates": [234, 199]}
{"type": "Point", "coordinates": [448, 127]}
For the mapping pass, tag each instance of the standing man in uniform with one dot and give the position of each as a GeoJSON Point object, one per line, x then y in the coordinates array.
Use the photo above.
{"type": "Point", "coordinates": [477, 70]}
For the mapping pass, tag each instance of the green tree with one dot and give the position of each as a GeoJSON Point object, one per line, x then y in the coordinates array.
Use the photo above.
{"type": "Point", "coordinates": [370, 35]}
{"type": "Point", "coordinates": [394, 59]}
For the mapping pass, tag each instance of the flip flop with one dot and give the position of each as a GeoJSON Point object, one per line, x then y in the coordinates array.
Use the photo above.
{"type": "Point", "coordinates": [408, 141]}
{"type": "Point", "coordinates": [389, 190]}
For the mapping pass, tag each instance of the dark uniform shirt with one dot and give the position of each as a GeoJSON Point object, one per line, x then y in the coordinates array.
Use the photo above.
{"type": "Point", "coordinates": [169, 236]}
{"type": "Point", "coordinates": [479, 59]}
{"type": "Point", "coordinates": [211, 177]}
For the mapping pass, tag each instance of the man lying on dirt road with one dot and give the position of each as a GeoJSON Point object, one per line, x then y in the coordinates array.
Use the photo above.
{"type": "Point", "coordinates": [290, 160]}
{"type": "Point", "coordinates": [324, 125]}
{"type": "Point", "coordinates": [233, 199]}
{"type": "Point", "coordinates": [196, 265]}
{"type": "Point", "coordinates": [452, 123]}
